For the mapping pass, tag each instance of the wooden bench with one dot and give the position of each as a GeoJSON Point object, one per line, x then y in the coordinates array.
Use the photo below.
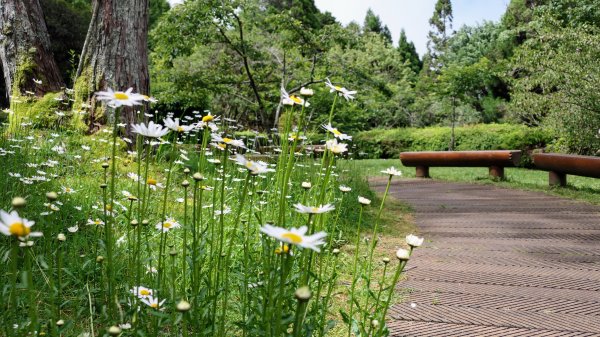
{"type": "Point", "coordinates": [495, 160]}
{"type": "Point", "coordinates": [559, 165]}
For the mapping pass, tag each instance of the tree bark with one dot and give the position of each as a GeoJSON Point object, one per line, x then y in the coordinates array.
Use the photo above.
{"type": "Point", "coordinates": [25, 49]}
{"type": "Point", "coordinates": [115, 53]}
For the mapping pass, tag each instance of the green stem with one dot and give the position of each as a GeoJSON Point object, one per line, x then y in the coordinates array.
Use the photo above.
{"type": "Point", "coordinates": [354, 271]}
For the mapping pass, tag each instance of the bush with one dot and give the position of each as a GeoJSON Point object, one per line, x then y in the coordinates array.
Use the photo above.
{"type": "Point", "coordinates": [380, 143]}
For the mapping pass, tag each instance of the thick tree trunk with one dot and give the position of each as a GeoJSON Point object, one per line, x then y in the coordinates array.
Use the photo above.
{"type": "Point", "coordinates": [25, 49]}
{"type": "Point", "coordinates": [115, 53]}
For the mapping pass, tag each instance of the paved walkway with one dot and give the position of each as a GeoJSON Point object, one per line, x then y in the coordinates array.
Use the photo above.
{"type": "Point", "coordinates": [499, 262]}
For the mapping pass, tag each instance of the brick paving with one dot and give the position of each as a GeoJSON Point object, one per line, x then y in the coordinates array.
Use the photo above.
{"type": "Point", "coordinates": [498, 262]}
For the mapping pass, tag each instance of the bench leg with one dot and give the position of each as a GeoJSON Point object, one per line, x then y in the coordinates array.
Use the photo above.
{"type": "Point", "coordinates": [422, 172]}
{"type": "Point", "coordinates": [497, 172]}
{"type": "Point", "coordinates": [557, 178]}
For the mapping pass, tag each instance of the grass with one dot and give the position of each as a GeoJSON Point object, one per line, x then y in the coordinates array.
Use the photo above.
{"type": "Point", "coordinates": [578, 188]}
{"type": "Point", "coordinates": [84, 281]}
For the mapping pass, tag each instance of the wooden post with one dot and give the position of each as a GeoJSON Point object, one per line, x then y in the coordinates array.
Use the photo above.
{"type": "Point", "coordinates": [422, 172]}
{"type": "Point", "coordinates": [557, 178]}
{"type": "Point", "coordinates": [497, 172]}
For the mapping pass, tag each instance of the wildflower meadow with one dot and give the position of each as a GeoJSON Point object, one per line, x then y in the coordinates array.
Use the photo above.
{"type": "Point", "coordinates": [178, 227]}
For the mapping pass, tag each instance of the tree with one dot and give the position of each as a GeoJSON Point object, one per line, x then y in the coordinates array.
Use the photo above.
{"type": "Point", "coordinates": [441, 22]}
{"type": "Point", "coordinates": [25, 49]}
{"type": "Point", "coordinates": [115, 53]}
{"type": "Point", "coordinates": [408, 53]}
{"type": "Point", "coordinates": [67, 23]}
{"type": "Point", "coordinates": [557, 86]}
{"type": "Point", "coordinates": [156, 9]}
{"type": "Point", "coordinates": [373, 24]}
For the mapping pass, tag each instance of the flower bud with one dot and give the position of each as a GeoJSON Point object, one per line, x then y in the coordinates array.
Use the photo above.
{"type": "Point", "coordinates": [100, 259]}
{"type": "Point", "coordinates": [105, 165]}
{"type": "Point", "coordinates": [198, 176]}
{"type": "Point", "coordinates": [19, 202]}
{"type": "Point", "coordinates": [403, 254]}
{"type": "Point", "coordinates": [364, 201]}
{"type": "Point", "coordinates": [414, 241]}
{"type": "Point", "coordinates": [51, 196]}
{"type": "Point", "coordinates": [114, 331]}
{"type": "Point", "coordinates": [303, 294]}
{"type": "Point", "coordinates": [185, 183]}
{"type": "Point", "coordinates": [61, 237]}
{"type": "Point", "coordinates": [386, 260]}
{"type": "Point", "coordinates": [183, 306]}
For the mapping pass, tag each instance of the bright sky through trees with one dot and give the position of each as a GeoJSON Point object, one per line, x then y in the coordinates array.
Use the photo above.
{"type": "Point", "coordinates": [412, 15]}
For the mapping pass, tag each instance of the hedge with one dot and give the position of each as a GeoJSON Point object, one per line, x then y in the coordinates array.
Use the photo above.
{"type": "Point", "coordinates": [388, 143]}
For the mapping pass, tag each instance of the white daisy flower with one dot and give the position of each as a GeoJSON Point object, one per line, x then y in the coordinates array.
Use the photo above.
{"type": "Point", "coordinates": [336, 132]}
{"type": "Point", "coordinates": [296, 236]}
{"type": "Point", "coordinates": [11, 224]}
{"type": "Point", "coordinates": [175, 126]}
{"type": "Point", "coordinates": [73, 229]}
{"type": "Point", "coordinates": [392, 171]}
{"type": "Point", "coordinates": [167, 225]}
{"type": "Point", "coordinates": [119, 98]}
{"type": "Point", "coordinates": [141, 292]}
{"type": "Point", "coordinates": [255, 167]}
{"type": "Point", "coordinates": [152, 302]}
{"type": "Point", "coordinates": [335, 147]}
{"type": "Point", "coordinates": [235, 142]}
{"type": "Point", "coordinates": [67, 190]}
{"type": "Point", "coordinates": [152, 130]}
{"type": "Point", "coordinates": [345, 189]}
{"type": "Point", "coordinates": [288, 99]}
{"type": "Point", "coordinates": [312, 209]}
{"type": "Point", "coordinates": [347, 94]}
{"type": "Point", "coordinates": [96, 222]}
{"type": "Point", "coordinates": [306, 91]}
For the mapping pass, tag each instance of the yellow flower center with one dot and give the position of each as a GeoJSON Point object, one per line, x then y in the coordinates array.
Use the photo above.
{"type": "Point", "coordinates": [144, 292]}
{"type": "Point", "coordinates": [207, 118]}
{"type": "Point", "coordinates": [314, 209]}
{"type": "Point", "coordinates": [98, 222]}
{"type": "Point", "coordinates": [221, 145]}
{"type": "Point", "coordinates": [121, 96]}
{"type": "Point", "coordinates": [336, 132]}
{"type": "Point", "coordinates": [68, 190]}
{"type": "Point", "coordinates": [154, 305]}
{"type": "Point", "coordinates": [151, 181]}
{"type": "Point", "coordinates": [109, 207]}
{"type": "Point", "coordinates": [338, 88]}
{"type": "Point", "coordinates": [167, 225]}
{"type": "Point", "coordinates": [295, 238]}
{"type": "Point", "coordinates": [19, 229]}
{"type": "Point", "coordinates": [278, 251]}
{"type": "Point", "coordinates": [227, 140]}
{"type": "Point", "coordinates": [296, 99]}
{"type": "Point", "coordinates": [180, 128]}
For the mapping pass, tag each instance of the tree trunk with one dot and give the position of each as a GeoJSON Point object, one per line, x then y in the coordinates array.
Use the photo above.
{"type": "Point", "coordinates": [25, 49]}
{"type": "Point", "coordinates": [115, 53]}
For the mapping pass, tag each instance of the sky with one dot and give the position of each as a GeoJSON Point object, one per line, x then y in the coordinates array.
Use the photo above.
{"type": "Point", "coordinates": [412, 15]}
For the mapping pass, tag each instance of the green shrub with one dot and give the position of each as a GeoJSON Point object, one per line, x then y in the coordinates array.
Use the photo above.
{"type": "Point", "coordinates": [380, 143]}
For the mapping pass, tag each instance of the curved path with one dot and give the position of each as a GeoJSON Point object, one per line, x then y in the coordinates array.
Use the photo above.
{"type": "Point", "coordinates": [498, 262]}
